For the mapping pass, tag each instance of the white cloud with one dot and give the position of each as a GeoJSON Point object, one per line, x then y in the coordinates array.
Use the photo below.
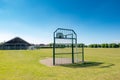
{"type": "Point", "coordinates": [31, 39]}
{"type": "Point", "coordinates": [30, 33]}
{"type": "Point", "coordinates": [116, 41]}
{"type": "Point", "coordinates": [5, 36]}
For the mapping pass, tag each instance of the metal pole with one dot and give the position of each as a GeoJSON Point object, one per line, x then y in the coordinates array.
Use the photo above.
{"type": "Point", "coordinates": [82, 53]}
{"type": "Point", "coordinates": [54, 51]}
{"type": "Point", "coordinates": [76, 52]}
{"type": "Point", "coordinates": [72, 50]}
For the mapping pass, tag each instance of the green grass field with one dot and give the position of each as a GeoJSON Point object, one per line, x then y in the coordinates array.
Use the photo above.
{"type": "Point", "coordinates": [101, 64]}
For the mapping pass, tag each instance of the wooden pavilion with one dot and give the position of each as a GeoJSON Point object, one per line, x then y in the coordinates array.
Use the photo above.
{"type": "Point", "coordinates": [15, 44]}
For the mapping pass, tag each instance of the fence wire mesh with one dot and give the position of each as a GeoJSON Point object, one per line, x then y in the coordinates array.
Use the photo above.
{"type": "Point", "coordinates": [65, 49]}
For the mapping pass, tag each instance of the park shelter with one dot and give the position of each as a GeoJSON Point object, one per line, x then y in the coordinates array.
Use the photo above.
{"type": "Point", "coordinates": [15, 44]}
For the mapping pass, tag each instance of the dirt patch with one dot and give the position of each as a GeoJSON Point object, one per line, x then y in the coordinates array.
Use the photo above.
{"type": "Point", "coordinates": [58, 61]}
{"type": "Point", "coordinates": [47, 62]}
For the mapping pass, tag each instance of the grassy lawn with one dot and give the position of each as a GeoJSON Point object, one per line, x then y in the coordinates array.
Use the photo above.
{"type": "Point", "coordinates": [101, 64]}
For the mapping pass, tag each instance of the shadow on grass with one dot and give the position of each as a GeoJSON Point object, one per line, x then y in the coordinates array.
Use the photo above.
{"type": "Point", "coordinates": [83, 65]}
{"type": "Point", "coordinates": [107, 66]}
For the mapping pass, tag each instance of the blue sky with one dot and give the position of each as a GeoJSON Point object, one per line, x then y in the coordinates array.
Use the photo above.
{"type": "Point", "coordinates": [94, 21]}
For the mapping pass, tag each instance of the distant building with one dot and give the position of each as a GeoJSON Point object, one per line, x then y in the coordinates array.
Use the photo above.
{"type": "Point", "coordinates": [15, 44]}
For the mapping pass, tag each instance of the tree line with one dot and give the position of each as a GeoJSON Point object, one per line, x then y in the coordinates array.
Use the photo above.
{"type": "Point", "coordinates": [80, 45]}
{"type": "Point", "coordinates": [104, 45]}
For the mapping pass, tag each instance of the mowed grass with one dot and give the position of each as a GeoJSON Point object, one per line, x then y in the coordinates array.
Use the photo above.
{"type": "Point", "coordinates": [101, 64]}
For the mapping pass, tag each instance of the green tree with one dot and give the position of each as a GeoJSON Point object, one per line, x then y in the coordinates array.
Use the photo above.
{"type": "Point", "coordinates": [80, 45]}
{"type": "Point", "coordinates": [2, 43]}
{"type": "Point", "coordinates": [103, 45]}
{"type": "Point", "coordinates": [114, 45]}
{"type": "Point", "coordinates": [110, 45]}
{"type": "Point", "coordinates": [106, 45]}
{"type": "Point", "coordinates": [98, 45]}
{"type": "Point", "coordinates": [95, 45]}
{"type": "Point", "coordinates": [119, 45]}
{"type": "Point", "coordinates": [51, 44]}
{"type": "Point", "coordinates": [85, 46]}
{"type": "Point", "coordinates": [91, 45]}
